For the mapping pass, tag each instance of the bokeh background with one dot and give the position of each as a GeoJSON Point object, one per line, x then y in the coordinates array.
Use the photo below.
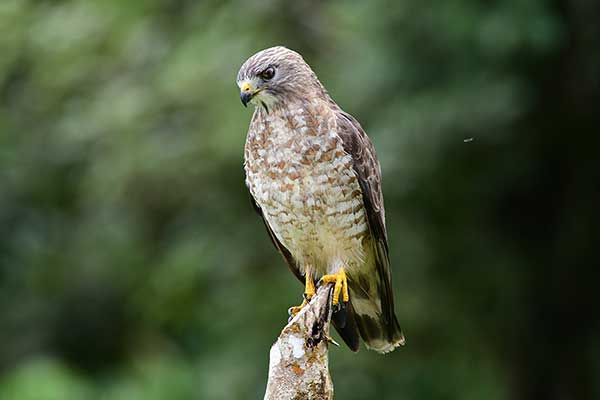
{"type": "Point", "coordinates": [132, 265]}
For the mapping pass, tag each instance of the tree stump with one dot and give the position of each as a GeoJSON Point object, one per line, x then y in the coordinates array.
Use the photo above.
{"type": "Point", "coordinates": [298, 361]}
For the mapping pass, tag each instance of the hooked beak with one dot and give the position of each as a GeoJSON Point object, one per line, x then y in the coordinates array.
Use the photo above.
{"type": "Point", "coordinates": [246, 93]}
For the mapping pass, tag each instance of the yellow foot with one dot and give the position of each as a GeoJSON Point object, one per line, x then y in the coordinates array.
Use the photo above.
{"type": "Point", "coordinates": [296, 309]}
{"type": "Point", "coordinates": [341, 285]}
{"type": "Point", "coordinates": [309, 292]}
{"type": "Point", "coordinates": [309, 288]}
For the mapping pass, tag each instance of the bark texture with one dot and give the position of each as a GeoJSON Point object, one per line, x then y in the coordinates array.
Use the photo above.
{"type": "Point", "coordinates": [298, 361]}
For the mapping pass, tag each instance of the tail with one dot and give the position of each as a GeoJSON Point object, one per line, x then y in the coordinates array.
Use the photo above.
{"type": "Point", "coordinates": [363, 317]}
{"type": "Point", "coordinates": [376, 321]}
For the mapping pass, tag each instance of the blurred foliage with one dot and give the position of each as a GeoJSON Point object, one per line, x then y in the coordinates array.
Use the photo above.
{"type": "Point", "coordinates": [133, 267]}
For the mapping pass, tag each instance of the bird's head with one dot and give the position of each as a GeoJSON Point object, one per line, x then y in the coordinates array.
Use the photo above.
{"type": "Point", "coordinates": [274, 75]}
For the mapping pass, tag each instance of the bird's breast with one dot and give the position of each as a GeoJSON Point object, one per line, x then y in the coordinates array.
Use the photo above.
{"type": "Point", "coordinates": [304, 182]}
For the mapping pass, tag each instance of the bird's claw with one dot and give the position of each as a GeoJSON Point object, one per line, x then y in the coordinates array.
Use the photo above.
{"type": "Point", "coordinates": [309, 292]}
{"type": "Point", "coordinates": [337, 307]}
{"type": "Point", "coordinates": [332, 341]}
{"type": "Point", "coordinates": [341, 286]}
{"type": "Point", "coordinates": [292, 311]}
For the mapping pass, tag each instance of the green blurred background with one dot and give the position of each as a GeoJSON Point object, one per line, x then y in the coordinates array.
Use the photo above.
{"type": "Point", "coordinates": [132, 265]}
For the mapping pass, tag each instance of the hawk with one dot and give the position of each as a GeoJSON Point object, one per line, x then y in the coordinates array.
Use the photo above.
{"type": "Point", "coordinates": [315, 180]}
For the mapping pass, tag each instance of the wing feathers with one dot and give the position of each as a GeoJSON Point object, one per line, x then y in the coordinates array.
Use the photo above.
{"type": "Point", "coordinates": [377, 323]}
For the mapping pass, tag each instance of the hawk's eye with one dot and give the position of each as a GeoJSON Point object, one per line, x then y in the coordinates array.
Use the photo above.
{"type": "Point", "coordinates": [267, 74]}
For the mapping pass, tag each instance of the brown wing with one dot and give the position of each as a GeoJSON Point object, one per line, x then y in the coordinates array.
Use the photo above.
{"type": "Point", "coordinates": [365, 163]}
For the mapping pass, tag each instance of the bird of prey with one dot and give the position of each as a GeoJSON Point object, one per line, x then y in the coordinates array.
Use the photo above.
{"type": "Point", "coordinates": [314, 178]}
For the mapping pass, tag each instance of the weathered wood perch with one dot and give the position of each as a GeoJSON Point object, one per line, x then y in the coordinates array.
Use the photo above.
{"type": "Point", "coordinates": [298, 361]}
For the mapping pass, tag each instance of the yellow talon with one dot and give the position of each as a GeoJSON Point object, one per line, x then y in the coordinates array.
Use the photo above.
{"type": "Point", "coordinates": [309, 292]}
{"type": "Point", "coordinates": [296, 309]}
{"type": "Point", "coordinates": [341, 285]}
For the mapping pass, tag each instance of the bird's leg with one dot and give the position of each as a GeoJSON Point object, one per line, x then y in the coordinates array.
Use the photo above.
{"type": "Point", "coordinates": [341, 285]}
{"type": "Point", "coordinates": [309, 292]}
{"type": "Point", "coordinates": [309, 287]}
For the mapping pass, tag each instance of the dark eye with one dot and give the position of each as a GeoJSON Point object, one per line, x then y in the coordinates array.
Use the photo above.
{"type": "Point", "coordinates": [267, 74]}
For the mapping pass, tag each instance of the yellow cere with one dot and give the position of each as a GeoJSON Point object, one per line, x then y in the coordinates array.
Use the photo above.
{"type": "Point", "coordinates": [245, 87]}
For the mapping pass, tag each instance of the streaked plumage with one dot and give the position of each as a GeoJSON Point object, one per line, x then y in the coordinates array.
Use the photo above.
{"type": "Point", "coordinates": [314, 177]}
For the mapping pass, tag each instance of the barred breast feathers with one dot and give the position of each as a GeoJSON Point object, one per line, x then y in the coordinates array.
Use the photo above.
{"type": "Point", "coordinates": [303, 180]}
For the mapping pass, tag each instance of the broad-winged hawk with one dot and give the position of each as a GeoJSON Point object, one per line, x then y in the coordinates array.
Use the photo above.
{"type": "Point", "coordinates": [315, 179]}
